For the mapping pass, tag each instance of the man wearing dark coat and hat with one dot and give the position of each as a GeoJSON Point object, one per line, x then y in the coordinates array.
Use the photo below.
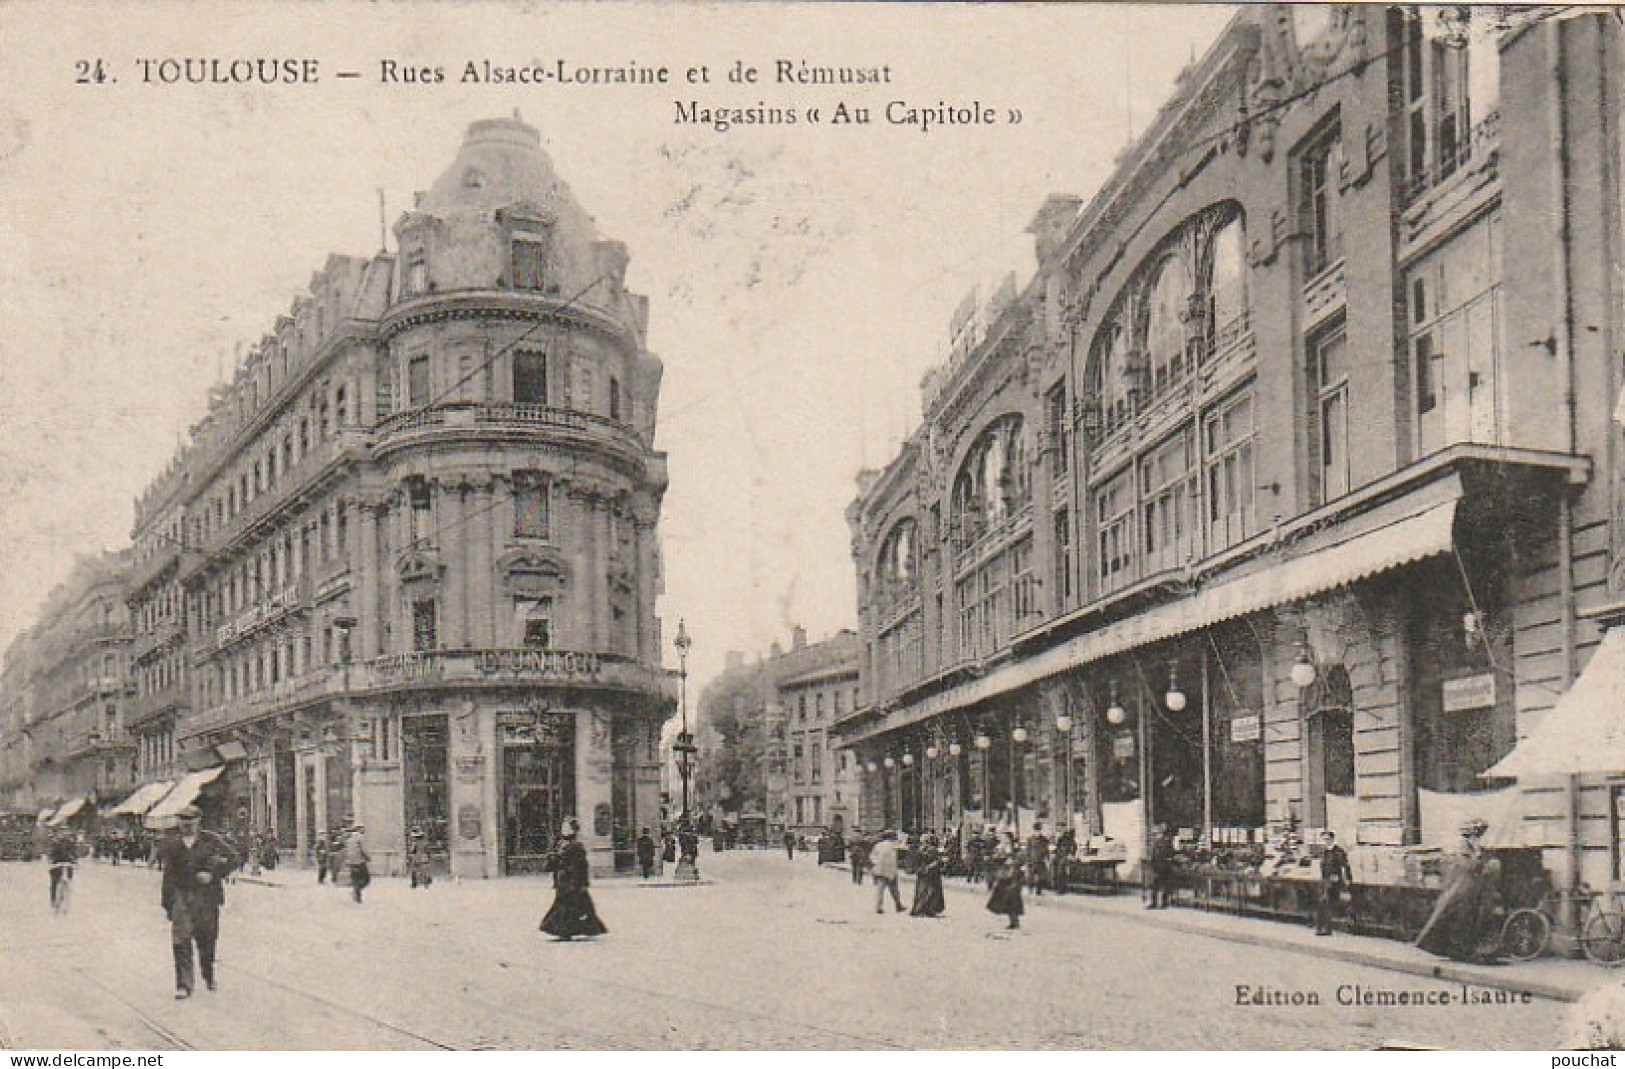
{"type": "Point", "coordinates": [196, 863]}
{"type": "Point", "coordinates": [572, 913]}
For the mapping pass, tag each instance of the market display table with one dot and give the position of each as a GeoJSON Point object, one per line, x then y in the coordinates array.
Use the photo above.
{"type": "Point", "coordinates": [1093, 874]}
{"type": "Point", "coordinates": [1392, 910]}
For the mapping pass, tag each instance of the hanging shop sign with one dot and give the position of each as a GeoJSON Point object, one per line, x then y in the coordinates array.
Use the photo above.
{"type": "Point", "coordinates": [1249, 728]}
{"type": "Point", "coordinates": [1123, 747]}
{"type": "Point", "coordinates": [1469, 692]}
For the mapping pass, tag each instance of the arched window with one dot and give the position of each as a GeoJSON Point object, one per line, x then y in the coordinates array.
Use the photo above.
{"type": "Point", "coordinates": [1227, 290]}
{"type": "Point", "coordinates": [1165, 323]}
{"type": "Point", "coordinates": [995, 481]}
{"type": "Point", "coordinates": [896, 565]}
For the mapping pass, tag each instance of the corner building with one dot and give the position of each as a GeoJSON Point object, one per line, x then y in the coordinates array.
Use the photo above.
{"type": "Point", "coordinates": [1284, 495]}
{"type": "Point", "coordinates": [417, 552]}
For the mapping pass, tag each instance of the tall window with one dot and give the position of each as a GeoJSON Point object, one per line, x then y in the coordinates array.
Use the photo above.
{"type": "Point", "coordinates": [1320, 172]}
{"type": "Point", "coordinates": [1329, 420]}
{"type": "Point", "coordinates": [1228, 434]}
{"type": "Point", "coordinates": [1055, 428]}
{"type": "Point", "coordinates": [1114, 516]}
{"type": "Point", "coordinates": [536, 621]}
{"type": "Point", "coordinates": [417, 273]}
{"type": "Point", "coordinates": [1165, 323]}
{"type": "Point", "coordinates": [1116, 379]}
{"type": "Point", "coordinates": [1168, 496]}
{"type": "Point", "coordinates": [1063, 556]}
{"type": "Point", "coordinates": [614, 397]}
{"type": "Point", "coordinates": [423, 625]}
{"type": "Point", "coordinates": [531, 512]}
{"type": "Point", "coordinates": [417, 381]}
{"type": "Point", "coordinates": [529, 262]}
{"type": "Point", "coordinates": [1451, 62]}
{"type": "Point", "coordinates": [420, 503]}
{"type": "Point", "coordinates": [530, 378]}
{"type": "Point", "coordinates": [586, 399]}
{"type": "Point", "coordinates": [1227, 290]}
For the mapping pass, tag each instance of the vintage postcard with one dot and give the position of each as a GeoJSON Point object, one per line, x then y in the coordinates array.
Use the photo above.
{"type": "Point", "coordinates": [547, 526]}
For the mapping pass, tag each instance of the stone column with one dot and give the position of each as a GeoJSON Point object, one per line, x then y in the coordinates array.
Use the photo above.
{"type": "Point", "coordinates": [454, 555]}
{"type": "Point", "coordinates": [470, 798]}
{"type": "Point", "coordinates": [480, 538]}
{"type": "Point", "coordinates": [364, 578]}
{"type": "Point", "coordinates": [594, 761]}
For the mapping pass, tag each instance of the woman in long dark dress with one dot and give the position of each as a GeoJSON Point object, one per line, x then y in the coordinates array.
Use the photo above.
{"type": "Point", "coordinates": [1006, 896]}
{"type": "Point", "coordinates": [572, 913]}
{"type": "Point", "coordinates": [1463, 924]}
{"type": "Point", "coordinates": [928, 898]}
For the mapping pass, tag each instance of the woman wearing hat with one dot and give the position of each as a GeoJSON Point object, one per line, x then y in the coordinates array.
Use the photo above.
{"type": "Point", "coordinates": [928, 898]}
{"type": "Point", "coordinates": [572, 912]}
{"type": "Point", "coordinates": [417, 859]}
{"type": "Point", "coordinates": [1462, 925]}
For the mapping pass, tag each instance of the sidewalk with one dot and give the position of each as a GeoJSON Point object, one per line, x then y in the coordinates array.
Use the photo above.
{"type": "Point", "coordinates": [1560, 979]}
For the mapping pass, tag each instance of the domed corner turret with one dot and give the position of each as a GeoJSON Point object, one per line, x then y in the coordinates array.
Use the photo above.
{"type": "Point", "coordinates": [501, 218]}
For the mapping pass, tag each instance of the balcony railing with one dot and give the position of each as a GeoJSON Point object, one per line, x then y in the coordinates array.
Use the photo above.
{"type": "Point", "coordinates": [513, 414]}
{"type": "Point", "coordinates": [1479, 146]}
{"type": "Point", "coordinates": [291, 598]}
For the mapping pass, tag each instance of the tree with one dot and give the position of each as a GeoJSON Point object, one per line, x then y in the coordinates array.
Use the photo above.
{"type": "Point", "coordinates": [731, 714]}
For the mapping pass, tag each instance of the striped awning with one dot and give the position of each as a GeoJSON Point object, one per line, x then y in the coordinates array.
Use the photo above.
{"type": "Point", "coordinates": [66, 812]}
{"type": "Point", "coordinates": [142, 799]}
{"type": "Point", "coordinates": [184, 793]}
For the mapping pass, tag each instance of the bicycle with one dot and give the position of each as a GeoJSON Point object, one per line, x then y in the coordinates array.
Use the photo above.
{"type": "Point", "coordinates": [62, 885]}
{"type": "Point", "coordinates": [1527, 933]}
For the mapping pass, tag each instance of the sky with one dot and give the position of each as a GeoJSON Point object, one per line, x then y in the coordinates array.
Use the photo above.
{"type": "Point", "coordinates": [801, 278]}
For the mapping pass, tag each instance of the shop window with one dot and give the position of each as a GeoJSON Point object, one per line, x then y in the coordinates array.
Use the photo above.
{"type": "Point", "coordinates": [1329, 717]}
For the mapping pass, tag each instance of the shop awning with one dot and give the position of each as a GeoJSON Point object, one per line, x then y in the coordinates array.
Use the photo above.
{"type": "Point", "coordinates": [184, 793]}
{"type": "Point", "coordinates": [1399, 532]}
{"type": "Point", "coordinates": [1585, 730]}
{"type": "Point", "coordinates": [142, 799]}
{"type": "Point", "coordinates": [66, 812]}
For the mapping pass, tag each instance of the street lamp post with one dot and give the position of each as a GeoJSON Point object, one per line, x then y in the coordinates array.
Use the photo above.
{"type": "Point", "coordinates": [685, 749]}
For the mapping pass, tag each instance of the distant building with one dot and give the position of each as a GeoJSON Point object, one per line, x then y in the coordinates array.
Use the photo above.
{"type": "Point", "coordinates": [64, 693]}
{"type": "Point", "coordinates": [779, 763]}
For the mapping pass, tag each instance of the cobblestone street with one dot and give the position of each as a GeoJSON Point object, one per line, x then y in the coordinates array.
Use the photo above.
{"type": "Point", "coordinates": [773, 954]}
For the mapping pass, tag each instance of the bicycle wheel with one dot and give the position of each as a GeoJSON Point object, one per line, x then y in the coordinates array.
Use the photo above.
{"type": "Point", "coordinates": [1524, 936]}
{"type": "Point", "coordinates": [1603, 938]}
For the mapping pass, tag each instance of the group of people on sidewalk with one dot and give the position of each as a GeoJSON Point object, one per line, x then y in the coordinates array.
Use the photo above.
{"type": "Point", "coordinates": [881, 858]}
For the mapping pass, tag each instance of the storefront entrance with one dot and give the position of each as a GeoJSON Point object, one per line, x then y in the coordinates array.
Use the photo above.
{"type": "Point", "coordinates": [538, 788]}
{"type": "Point", "coordinates": [423, 747]}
